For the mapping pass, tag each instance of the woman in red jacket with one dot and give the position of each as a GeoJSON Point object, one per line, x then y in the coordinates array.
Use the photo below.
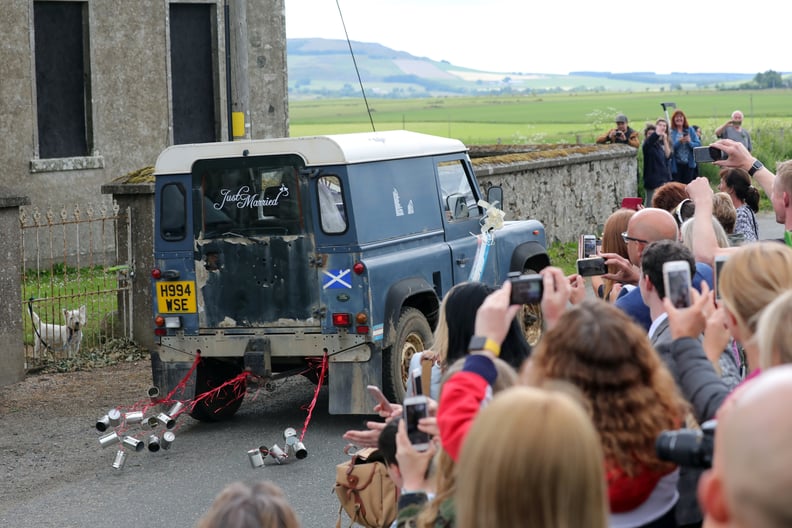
{"type": "Point", "coordinates": [632, 398]}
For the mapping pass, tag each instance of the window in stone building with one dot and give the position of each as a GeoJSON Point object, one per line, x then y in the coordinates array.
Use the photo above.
{"type": "Point", "coordinates": [63, 88]}
{"type": "Point", "coordinates": [193, 78]}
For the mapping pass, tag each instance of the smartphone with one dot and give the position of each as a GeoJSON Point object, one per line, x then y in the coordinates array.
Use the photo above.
{"type": "Point", "coordinates": [676, 279]}
{"type": "Point", "coordinates": [719, 261]}
{"type": "Point", "coordinates": [708, 154]}
{"type": "Point", "coordinates": [589, 267]}
{"type": "Point", "coordinates": [527, 289]}
{"type": "Point", "coordinates": [417, 380]}
{"type": "Point", "coordinates": [381, 399]}
{"type": "Point", "coordinates": [632, 202]}
{"type": "Point", "coordinates": [589, 246]}
{"type": "Point", "coordinates": [415, 408]}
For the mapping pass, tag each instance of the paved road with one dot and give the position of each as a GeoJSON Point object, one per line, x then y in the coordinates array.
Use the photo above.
{"type": "Point", "coordinates": [174, 488]}
{"type": "Point", "coordinates": [768, 227]}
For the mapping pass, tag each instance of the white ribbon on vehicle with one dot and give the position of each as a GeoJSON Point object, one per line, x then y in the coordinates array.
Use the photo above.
{"type": "Point", "coordinates": [493, 220]}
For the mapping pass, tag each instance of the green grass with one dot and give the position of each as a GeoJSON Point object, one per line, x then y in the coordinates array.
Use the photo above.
{"type": "Point", "coordinates": [549, 118]}
{"type": "Point", "coordinates": [63, 287]}
{"type": "Point", "coordinates": [564, 255]}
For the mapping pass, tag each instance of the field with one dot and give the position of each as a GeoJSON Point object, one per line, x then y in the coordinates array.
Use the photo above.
{"type": "Point", "coordinates": [553, 118]}
{"type": "Point", "coordinates": [556, 118]}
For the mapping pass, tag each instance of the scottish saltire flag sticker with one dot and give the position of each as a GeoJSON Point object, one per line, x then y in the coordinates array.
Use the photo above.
{"type": "Point", "coordinates": [335, 279]}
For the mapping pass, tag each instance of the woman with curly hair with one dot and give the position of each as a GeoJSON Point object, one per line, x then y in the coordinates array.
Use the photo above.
{"type": "Point", "coordinates": [632, 398]}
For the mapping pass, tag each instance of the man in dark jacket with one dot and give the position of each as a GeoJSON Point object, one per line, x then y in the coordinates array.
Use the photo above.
{"type": "Point", "coordinates": [621, 134]}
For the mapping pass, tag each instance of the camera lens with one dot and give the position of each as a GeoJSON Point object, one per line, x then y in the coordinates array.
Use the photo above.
{"type": "Point", "coordinates": [684, 447]}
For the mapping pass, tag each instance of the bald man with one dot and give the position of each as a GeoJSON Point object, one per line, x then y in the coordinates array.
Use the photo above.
{"type": "Point", "coordinates": [751, 476]}
{"type": "Point", "coordinates": [645, 226]}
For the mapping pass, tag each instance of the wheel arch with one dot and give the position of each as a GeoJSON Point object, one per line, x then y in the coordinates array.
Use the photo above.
{"type": "Point", "coordinates": [529, 255]}
{"type": "Point", "coordinates": [413, 292]}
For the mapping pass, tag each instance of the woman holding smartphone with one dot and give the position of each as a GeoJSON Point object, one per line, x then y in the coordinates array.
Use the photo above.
{"type": "Point", "coordinates": [657, 151]}
{"type": "Point", "coordinates": [683, 140]}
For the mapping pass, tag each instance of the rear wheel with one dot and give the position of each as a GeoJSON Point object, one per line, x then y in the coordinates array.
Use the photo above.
{"type": "Point", "coordinates": [530, 315]}
{"type": "Point", "coordinates": [223, 403]}
{"type": "Point", "coordinates": [413, 335]}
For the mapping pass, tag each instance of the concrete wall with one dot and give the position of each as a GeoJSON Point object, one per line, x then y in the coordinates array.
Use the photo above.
{"type": "Point", "coordinates": [571, 189]}
{"type": "Point", "coordinates": [130, 90]}
{"type": "Point", "coordinates": [12, 353]}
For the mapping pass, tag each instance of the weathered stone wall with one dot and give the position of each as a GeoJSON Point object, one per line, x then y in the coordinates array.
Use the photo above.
{"type": "Point", "coordinates": [571, 189]}
{"type": "Point", "coordinates": [130, 93]}
{"type": "Point", "coordinates": [12, 353]}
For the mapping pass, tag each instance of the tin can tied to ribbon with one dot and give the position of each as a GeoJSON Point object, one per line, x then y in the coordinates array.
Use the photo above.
{"type": "Point", "coordinates": [256, 460]}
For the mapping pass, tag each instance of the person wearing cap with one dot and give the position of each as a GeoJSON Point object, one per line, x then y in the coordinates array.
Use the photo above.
{"type": "Point", "coordinates": [621, 134]}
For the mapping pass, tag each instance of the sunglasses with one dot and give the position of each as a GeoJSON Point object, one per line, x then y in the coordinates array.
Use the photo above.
{"type": "Point", "coordinates": [627, 239]}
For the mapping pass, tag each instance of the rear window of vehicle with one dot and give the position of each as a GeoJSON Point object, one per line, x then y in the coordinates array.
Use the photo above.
{"type": "Point", "coordinates": [247, 196]}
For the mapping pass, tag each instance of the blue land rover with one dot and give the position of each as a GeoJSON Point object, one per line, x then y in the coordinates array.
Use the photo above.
{"type": "Point", "coordinates": [271, 255]}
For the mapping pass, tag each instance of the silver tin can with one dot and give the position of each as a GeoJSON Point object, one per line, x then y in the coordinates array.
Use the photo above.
{"type": "Point", "coordinates": [256, 460]}
{"type": "Point", "coordinates": [166, 420]}
{"type": "Point", "coordinates": [133, 417]}
{"type": "Point", "coordinates": [115, 417]}
{"type": "Point", "coordinates": [133, 443]}
{"type": "Point", "coordinates": [109, 439]}
{"type": "Point", "coordinates": [167, 439]}
{"type": "Point", "coordinates": [120, 459]}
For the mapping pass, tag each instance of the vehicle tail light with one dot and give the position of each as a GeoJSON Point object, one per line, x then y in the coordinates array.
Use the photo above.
{"type": "Point", "coordinates": [159, 321]}
{"type": "Point", "coordinates": [156, 273]}
{"type": "Point", "coordinates": [342, 319]}
{"type": "Point", "coordinates": [173, 322]}
{"type": "Point", "coordinates": [361, 318]}
{"type": "Point", "coordinates": [358, 268]}
{"type": "Point", "coordinates": [362, 329]}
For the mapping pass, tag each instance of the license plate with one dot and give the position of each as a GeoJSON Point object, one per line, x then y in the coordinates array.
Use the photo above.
{"type": "Point", "coordinates": [176, 297]}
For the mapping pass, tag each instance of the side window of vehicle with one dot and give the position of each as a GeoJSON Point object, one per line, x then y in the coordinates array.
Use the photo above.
{"type": "Point", "coordinates": [173, 212]}
{"type": "Point", "coordinates": [332, 210]}
{"type": "Point", "coordinates": [459, 203]}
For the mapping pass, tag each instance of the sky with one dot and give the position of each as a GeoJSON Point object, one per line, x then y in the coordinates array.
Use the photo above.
{"type": "Point", "coordinates": [560, 36]}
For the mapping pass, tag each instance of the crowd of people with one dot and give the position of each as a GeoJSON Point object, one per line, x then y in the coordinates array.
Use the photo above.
{"type": "Point", "coordinates": [564, 434]}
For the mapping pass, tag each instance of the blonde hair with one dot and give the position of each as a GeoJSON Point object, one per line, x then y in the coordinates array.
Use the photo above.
{"type": "Point", "coordinates": [723, 209]}
{"type": "Point", "coordinates": [751, 278]}
{"type": "Point", "coordinates": [532, 458]}
{"type": "Point", "coordinates": [445, 483]}
{"type": "Point", "coordinates": [686, 230]}
{"type": "Point", "coordinates": [257, 505]}
{"type": "Point", "coordinates": [774, 332]}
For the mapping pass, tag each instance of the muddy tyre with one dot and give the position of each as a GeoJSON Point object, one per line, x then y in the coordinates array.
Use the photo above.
{"type": "Point", "coordinates": [413, 335]}
{"type": "Point", "coordinates": [224, 403]}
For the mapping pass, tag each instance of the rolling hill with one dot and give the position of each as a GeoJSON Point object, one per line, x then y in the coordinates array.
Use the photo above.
{"type": "Point", "coordinates": [325, 67]}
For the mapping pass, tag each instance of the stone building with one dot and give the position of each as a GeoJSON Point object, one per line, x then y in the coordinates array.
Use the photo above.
{"type": "Point", "coordinates": [94, 89]}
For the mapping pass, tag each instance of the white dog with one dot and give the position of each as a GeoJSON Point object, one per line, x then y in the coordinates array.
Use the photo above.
{"type": "Point", "coordinates": [59, 337]}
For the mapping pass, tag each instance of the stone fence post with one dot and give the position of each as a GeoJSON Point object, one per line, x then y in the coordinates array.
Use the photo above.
{"type": "Point", "coordinates": [138, 199]}
{"type": "Point", "coordinates": [12, 353]}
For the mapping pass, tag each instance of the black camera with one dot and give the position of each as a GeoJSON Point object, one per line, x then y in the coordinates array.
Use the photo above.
{"type": "Point", "coordinates": [688, 447]}
{"type": "Point", "coordinates": [526, 289]}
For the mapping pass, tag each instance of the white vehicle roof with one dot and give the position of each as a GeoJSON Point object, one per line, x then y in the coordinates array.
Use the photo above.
{"type": "Point", "coordinates": [338, 149]}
